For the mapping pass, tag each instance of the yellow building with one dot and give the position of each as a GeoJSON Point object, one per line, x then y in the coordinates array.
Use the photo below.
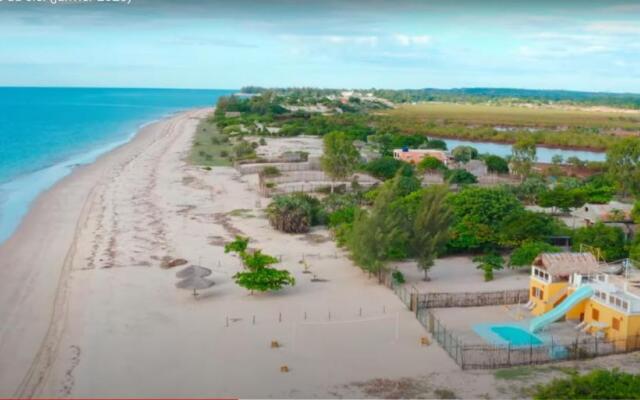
{"type": "Point", "coordinates": [550, 274]}
{"type": "Point", "coordinates": [602, 304]}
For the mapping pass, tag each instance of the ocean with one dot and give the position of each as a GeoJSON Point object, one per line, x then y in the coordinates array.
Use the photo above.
{"type": "Point", "coordinates": [46, 132]}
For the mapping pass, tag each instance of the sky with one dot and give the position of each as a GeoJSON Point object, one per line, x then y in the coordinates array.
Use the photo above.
{"type": "Point", "coordinates": [538, 44]}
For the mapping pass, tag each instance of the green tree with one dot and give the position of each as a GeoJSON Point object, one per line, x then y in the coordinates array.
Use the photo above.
{"type": "Point", "coordinates": [257, 260]}
{"type": "Point", "coordinates": [524, 255]}
{"type": "Point", "coordinates": [431, 164]}
{"type": "Point", "coordinates": [623, 165]}
{"type": "Point", "coordinates": [634, 249]}
{"type": "Point", "coordinates": [597, 384]}
{"type": "Point", "coordinates": [264, 279]}
{"type": "Point", "coordinates": [238, 246]}
{"type": "Point", "coordinates": [384, 167]}
{"type": "Point", "coordinates": [522, 226]}
{"type": "Point", "coordinates": [460, 177]}
{"type": "Point", "coordinates": [436, 144]}
{"type": "Point", "coordinates": [478, 214]}
{"type": "Point", "coordinates": [635, 212]}
{"type": "Point", "coordinates": [464, 154]}
{"type": "Point", "coordinates": [340, 156]}
{"type": "Point", "coordinates": [530, 189]}
{"type": "Point", "coordinates": [431, 227]}
{"type": "Point", "coordinates": [489, 263]}
{"type": "Point", "coordinates": [523, 155]}
{"type": "Point", "coordinates": [382, 233]}
{"type": "Point", "coordinates": [258, 276]}
{"type": "Point", "coordinates": [557, 159]}
{"type": "Point", "coordinates": [562, 198]}
{"type": "Point", "coordinates": [496, 164]}
{"type": "Point", "coordinates": [609, 239]}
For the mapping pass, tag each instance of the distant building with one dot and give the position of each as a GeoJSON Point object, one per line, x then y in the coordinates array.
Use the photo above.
{"type": "Point", "coordinates": [416, 155]}
{"type": "Point", "coordinates": [476, 167]}
{"type": "Point", "coordinates": [232, 114]}
{"type": "Point", "coordinates": [613, 211]}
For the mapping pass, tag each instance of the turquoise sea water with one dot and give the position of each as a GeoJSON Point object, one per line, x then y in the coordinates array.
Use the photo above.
{"type": "Point", "coordinates": [46, 132]}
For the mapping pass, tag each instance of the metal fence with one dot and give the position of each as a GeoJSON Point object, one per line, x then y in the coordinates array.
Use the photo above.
{"type": "Point", "coordinates": [479, 356]}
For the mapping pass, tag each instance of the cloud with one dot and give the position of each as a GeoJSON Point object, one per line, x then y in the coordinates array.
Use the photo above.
{"type": "Point", "coordinates": [615, 27]}
{"type": "Point", "coordinates": [407, 40]}
{"type": "Point", "coordinates": [370, 41]}
{"type": "Point", "coordinates": [560, 51]}
{"type": "Point", "coordinates": [216, 42]}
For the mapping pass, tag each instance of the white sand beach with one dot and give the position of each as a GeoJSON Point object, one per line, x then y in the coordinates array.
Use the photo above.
{"type": "Point", "coordinates": [87, 311]}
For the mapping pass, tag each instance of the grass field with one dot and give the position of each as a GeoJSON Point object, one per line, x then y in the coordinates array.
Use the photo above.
{"type": "Point", "coordinates": [554, 127]}
{"type": "Point", "coordinates": [210, 146]}
{"type": "Point", "coordinates": [480, 114]}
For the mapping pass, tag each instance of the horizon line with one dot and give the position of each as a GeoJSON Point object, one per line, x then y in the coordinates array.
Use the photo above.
{"type": "Point", "coordinates": [314, 87]}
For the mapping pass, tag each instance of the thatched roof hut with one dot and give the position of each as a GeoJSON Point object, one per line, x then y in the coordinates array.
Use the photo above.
{"type": "Point", "coordinates": [565, 264]}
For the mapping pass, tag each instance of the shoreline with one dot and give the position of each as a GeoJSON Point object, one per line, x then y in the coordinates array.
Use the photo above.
{"type": "Point", "coordinates": [33, 297]}
{"type": "Point", "coordinates": [18, 203]}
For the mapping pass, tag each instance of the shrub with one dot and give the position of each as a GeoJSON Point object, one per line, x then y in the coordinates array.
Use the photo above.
{"type": "Point", "coordinates": [295, 213]}
{"type": "Point", "coordinates": [224, 154]}
{"type": "Point", "coordinates": [398, 277]}
{"type": "Point", "coordinates": [496, 164]}
{"type": "Point", "coordinates": [244, 150]}
{"type": "Point", "coordinates": [271, 171]}
{"type": "Point", "coordinates": [263, 142]}
{"type": "Point", "coordinates": [460, 177]}
{"type": "Point", "coordinates": [488, 263]}
{"type": "Point", "coordinates": [384, 167]}
{"type": "Point", "coordinates": [598, 384]}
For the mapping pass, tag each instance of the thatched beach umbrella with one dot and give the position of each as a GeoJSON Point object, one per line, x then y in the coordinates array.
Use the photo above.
{"type": "Point", "coordinates": [195, 283]}
{"type": "Point", "coordinates": [193, 270]}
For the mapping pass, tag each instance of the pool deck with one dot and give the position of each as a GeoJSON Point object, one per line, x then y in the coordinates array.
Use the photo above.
{"type": "Point", "coordinates": [462, 321]}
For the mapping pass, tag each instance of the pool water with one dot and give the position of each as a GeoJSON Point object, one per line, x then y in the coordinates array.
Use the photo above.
{"type": "Point", "coordinates": [515, 335]}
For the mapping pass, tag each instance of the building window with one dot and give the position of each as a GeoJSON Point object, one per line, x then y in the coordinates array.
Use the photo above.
{"type": "Point", "coordinates": [595, 314]}
{"type": "Point", "coordinates": [537, 292]}
{"type": "Point", "coordinates": [615, 324]}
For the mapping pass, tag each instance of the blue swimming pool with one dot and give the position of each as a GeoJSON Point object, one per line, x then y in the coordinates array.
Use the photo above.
{"type": "Point", "coordinates": [507, 335]}
{"type": "Point", "coordinates": [515, 335]}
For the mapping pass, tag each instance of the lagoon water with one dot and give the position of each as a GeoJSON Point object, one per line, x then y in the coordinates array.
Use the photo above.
{"type": "Point", "coordinates": [46, 132]}
{"type": "Point", "coordinates": [544, 154]}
